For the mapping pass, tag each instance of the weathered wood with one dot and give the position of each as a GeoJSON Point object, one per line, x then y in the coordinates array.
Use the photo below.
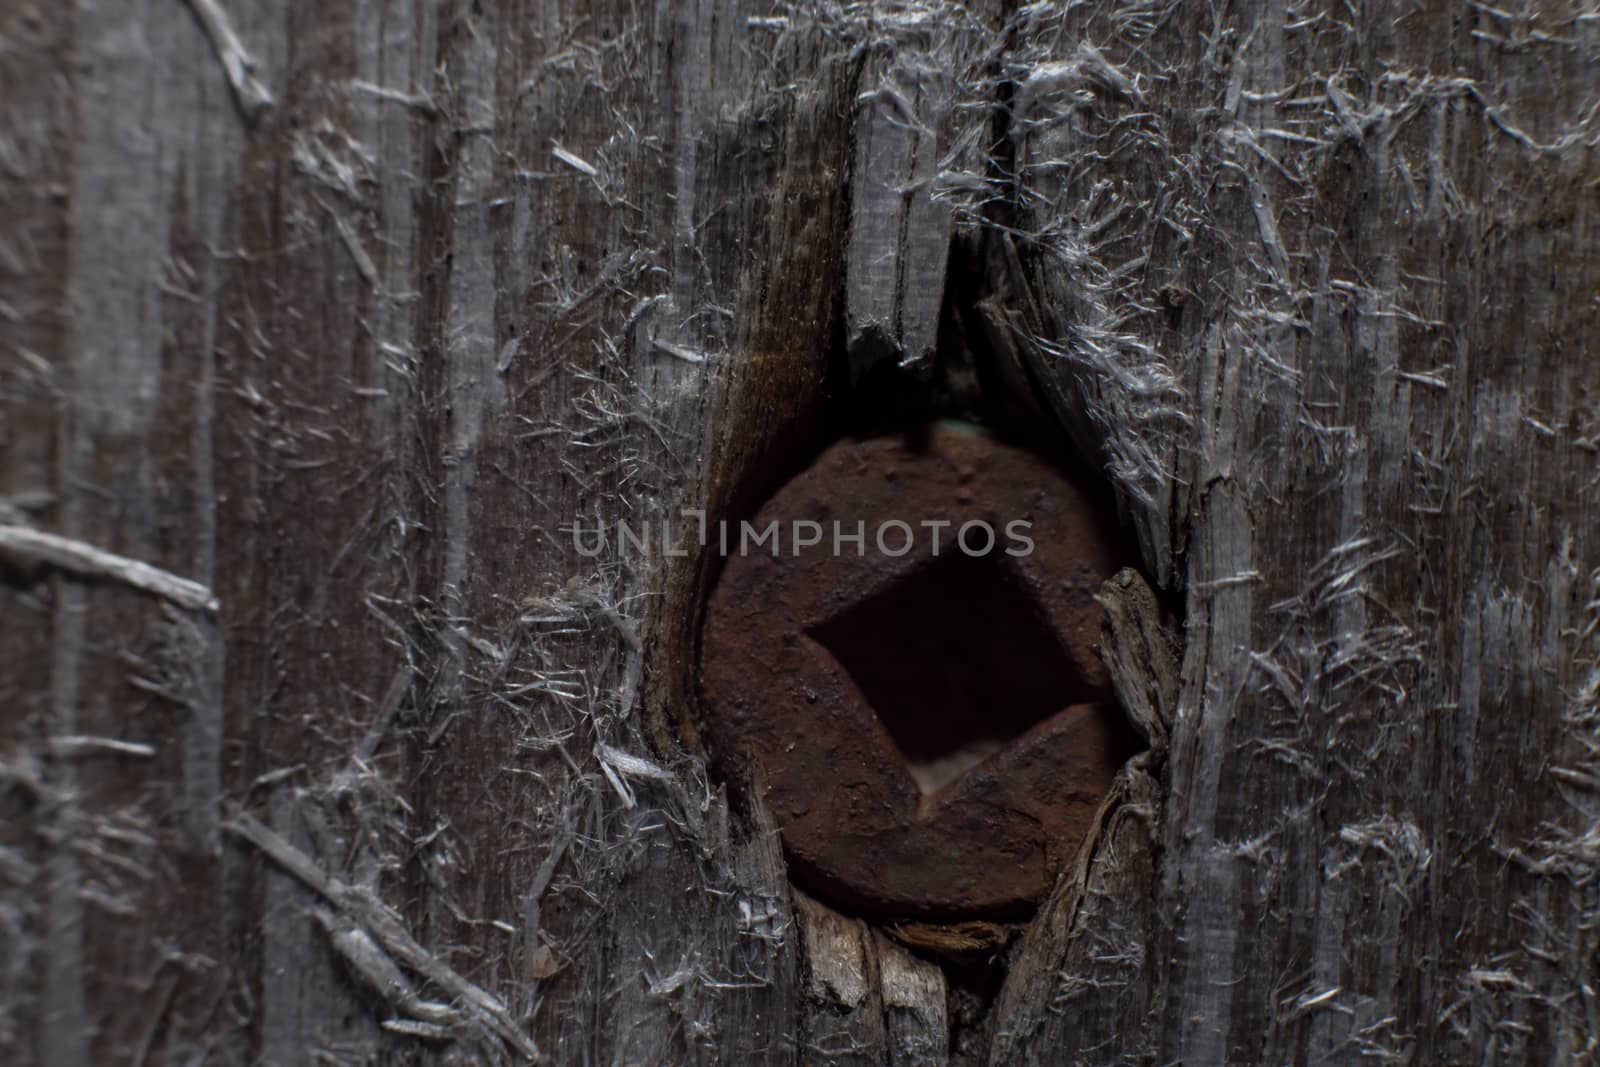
{"type": "Point", "coordinates": [341, 315]}
{"type": "Point", "coordinates": [1318, 287]}
{"type": "Point", "coordinates": [867, 1000]}
{"type": "Point", "coordinates": [1080, 988]}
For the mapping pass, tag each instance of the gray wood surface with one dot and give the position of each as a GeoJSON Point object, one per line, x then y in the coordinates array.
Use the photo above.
{"type": "Point", "coordinates": [322, 323]}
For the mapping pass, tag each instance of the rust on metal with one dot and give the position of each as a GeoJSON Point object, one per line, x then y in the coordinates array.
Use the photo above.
{"type": "Point", "coordinates": [934, 731]}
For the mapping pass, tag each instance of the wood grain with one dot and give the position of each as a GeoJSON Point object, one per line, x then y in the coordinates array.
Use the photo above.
{"type": "Point", "coordinates": [344, 313]}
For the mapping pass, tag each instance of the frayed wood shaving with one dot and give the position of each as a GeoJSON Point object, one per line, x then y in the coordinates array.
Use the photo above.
{"type": "Point", "coordinates": [377, 922]}
{"type": "Point", "coordinates": [237, 64]}
{"type": "Point", "coordinates": [27, 546]}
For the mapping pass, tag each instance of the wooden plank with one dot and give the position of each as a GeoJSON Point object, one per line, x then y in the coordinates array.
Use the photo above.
{"type": "Point", "coordinates": [344, 314]}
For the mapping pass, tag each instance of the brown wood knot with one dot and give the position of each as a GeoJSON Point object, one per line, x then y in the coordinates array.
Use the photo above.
{"type": "Point", "coordinates": [910, 658]}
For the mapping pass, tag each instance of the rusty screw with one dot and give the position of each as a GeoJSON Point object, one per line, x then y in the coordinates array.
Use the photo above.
{"type": "Point", "coordinates": [934, 731]}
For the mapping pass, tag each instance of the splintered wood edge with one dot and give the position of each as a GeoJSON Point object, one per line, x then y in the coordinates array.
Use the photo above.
{"type": "Point", "coordinates": [959, 940]}
{"type": "Point", "coordinates": [1141, 650]}
{"type": "Point", "coordinates": [1142, 653]}
{"type": "Point", "coordinates": [865, 990]}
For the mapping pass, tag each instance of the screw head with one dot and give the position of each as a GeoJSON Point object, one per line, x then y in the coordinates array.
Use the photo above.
{"type": "Point", "coordinates": [934, 731]}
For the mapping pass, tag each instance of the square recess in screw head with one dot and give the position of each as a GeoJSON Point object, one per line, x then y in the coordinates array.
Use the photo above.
{"type": "Point", "coordinates": [956, 661]}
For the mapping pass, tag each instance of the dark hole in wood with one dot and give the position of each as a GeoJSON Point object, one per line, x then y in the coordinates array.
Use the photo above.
{"type": "Point", "coordinates": [956, 661]}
